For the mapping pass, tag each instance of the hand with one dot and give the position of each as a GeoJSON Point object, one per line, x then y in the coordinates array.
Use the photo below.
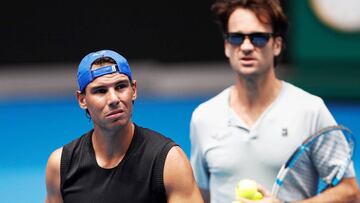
{"type": "Point", "coordinates": [268, 198]}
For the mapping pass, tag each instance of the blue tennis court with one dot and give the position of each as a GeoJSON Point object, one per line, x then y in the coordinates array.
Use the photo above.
{"type": "Point", "coordinates": [33, 128]}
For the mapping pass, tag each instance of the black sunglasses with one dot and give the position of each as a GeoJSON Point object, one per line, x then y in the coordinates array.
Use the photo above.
{"type": "Point", "coordinates": [258, 39]}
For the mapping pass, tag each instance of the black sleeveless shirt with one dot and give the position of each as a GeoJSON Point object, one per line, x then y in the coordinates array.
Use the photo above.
{"type": "Point", "coordinates": [137, 178]}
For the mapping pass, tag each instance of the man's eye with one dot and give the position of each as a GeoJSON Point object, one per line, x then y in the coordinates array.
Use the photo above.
{"type": "Point", "coordinates": [99, 91]}
{"type": "Point", "coordinates": [121, 86]}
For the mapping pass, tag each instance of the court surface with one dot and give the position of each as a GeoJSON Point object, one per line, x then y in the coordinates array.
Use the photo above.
{"type": "Point", "coordinates": [33, 128]}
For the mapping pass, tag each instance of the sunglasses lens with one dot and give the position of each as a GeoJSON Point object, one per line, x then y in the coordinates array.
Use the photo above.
{"type": "Point", "coordinates": [235, 39]}
{"type": "Point", "coordinates": [259, 40]}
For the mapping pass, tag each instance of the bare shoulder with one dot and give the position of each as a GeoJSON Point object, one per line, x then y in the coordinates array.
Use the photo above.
{"type": "Point", "coordinates": [175, 155]}
{"type": "Point", "coordinates": [54, 159]}
{"type": "Point", "coordinates": [177, 163]}
{"type": "Point", "coordinates": [179, 180]}
{"type": "Point", "coordinates": [53, 193]}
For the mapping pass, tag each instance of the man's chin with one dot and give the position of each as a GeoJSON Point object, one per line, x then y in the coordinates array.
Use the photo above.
{"type": "Point", "coordinates": [118, 124]}
{"type": "Point", "coordinates": [248, 71]}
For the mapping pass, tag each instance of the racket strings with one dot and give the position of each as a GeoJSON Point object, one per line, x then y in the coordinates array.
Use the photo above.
{"type": "Point", "coordinates": [325, 155]}
{"type": "Point", "coordinates": [338, 146]}
{"type": "Point", "coordinates": [296, 182]}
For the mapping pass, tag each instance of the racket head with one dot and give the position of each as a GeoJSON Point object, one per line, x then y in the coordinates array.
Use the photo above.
{"type": "Point", "coordinates": [328, 151]}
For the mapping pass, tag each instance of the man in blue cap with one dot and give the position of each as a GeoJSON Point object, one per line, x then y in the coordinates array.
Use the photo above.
{"type": "Point", "coordinates": [116, 161]}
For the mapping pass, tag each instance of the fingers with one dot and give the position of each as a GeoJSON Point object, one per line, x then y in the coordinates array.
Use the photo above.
{"type": "Point", "coordinates": [263, 190]}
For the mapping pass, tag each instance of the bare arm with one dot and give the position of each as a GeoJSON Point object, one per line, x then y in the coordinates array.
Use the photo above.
{"type": "Point", "coordinates": [53, 194]}
{"type": "Point", "coordinates": [346, 191]}
{"type": "Point", "coordinates": [179, 180]}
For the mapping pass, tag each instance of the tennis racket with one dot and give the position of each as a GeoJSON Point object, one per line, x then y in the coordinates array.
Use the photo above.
{"type": "Point", "coordinates": [328, 152]}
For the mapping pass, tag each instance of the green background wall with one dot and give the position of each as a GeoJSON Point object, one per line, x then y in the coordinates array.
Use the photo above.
{"type": "Point", "coordinates": [325, 61]}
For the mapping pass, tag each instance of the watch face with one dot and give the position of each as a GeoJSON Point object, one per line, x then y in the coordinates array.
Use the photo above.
{"type": "Point", "coordinates": [343, 15]}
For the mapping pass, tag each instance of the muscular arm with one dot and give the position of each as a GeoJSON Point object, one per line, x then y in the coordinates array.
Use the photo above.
{"type": "Point", "coordinates": [346, 191]}
{"type": "Point", "coordinates": [179, 181]}
{"type": "Point", "coordinates": [53, 194]}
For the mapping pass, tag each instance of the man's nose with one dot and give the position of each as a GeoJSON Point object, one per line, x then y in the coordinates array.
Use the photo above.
{"type": "Point", "coordinates": [247, 45]}
{"type": "Point", "coordinates": [113, 97]}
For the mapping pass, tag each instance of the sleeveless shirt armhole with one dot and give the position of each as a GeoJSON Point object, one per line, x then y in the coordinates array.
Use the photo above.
{"type": "Point", "coordinates": [159, 168]}
{"type": "Point", "coordinates": [64, 166]}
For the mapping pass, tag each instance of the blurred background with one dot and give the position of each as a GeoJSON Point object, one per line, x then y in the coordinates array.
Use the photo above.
{"type": "Point", "coordinates": [176, 53]}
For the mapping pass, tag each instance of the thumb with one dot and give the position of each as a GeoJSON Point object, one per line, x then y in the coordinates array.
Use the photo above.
{"type": "Point", "coordinates": [263, 190]}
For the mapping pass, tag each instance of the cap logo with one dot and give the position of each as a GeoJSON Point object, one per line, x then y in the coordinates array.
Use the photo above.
{"type": "Point", "coordinates": [104, 70]}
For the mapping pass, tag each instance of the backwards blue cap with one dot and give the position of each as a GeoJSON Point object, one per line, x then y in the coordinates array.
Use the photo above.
{"type": "Point", "coordinates": [85, 75]}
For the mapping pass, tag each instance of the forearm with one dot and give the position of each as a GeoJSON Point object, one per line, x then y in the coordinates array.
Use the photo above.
{"type": "Point", "coordinates": [346, 191]}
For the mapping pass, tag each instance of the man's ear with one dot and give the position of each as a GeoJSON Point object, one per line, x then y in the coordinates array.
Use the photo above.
{"type": "Point", "coordinates": [227, 49]}
{"type": "Point", "coordinates": [134, 87]}
{"type": "Point", "coordinates": [81, 99]}
{"type": "Point", "coordinates": [278, 44]}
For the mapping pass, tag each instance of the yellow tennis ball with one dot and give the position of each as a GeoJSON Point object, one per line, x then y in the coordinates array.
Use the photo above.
{"type": "Point", "coordinates": [246, 189]}
{"type": "Point", "coordinates": [257, 196]}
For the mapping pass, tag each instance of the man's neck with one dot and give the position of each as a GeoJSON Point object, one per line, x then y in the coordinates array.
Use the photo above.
{"type": "Point", "coordinates": [251, 96]}
{"type": "Point", "coordinates": [110, 146]}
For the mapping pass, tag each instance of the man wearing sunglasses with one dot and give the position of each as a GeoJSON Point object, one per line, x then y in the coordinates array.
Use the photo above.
{"type": "Point", "coordinates": [250, 129]}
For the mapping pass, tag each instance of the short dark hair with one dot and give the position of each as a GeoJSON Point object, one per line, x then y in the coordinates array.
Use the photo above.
{"type": "Point", "coordinates": [267, 11]}
{"type": "Point", "coordinates": [103, 60]}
